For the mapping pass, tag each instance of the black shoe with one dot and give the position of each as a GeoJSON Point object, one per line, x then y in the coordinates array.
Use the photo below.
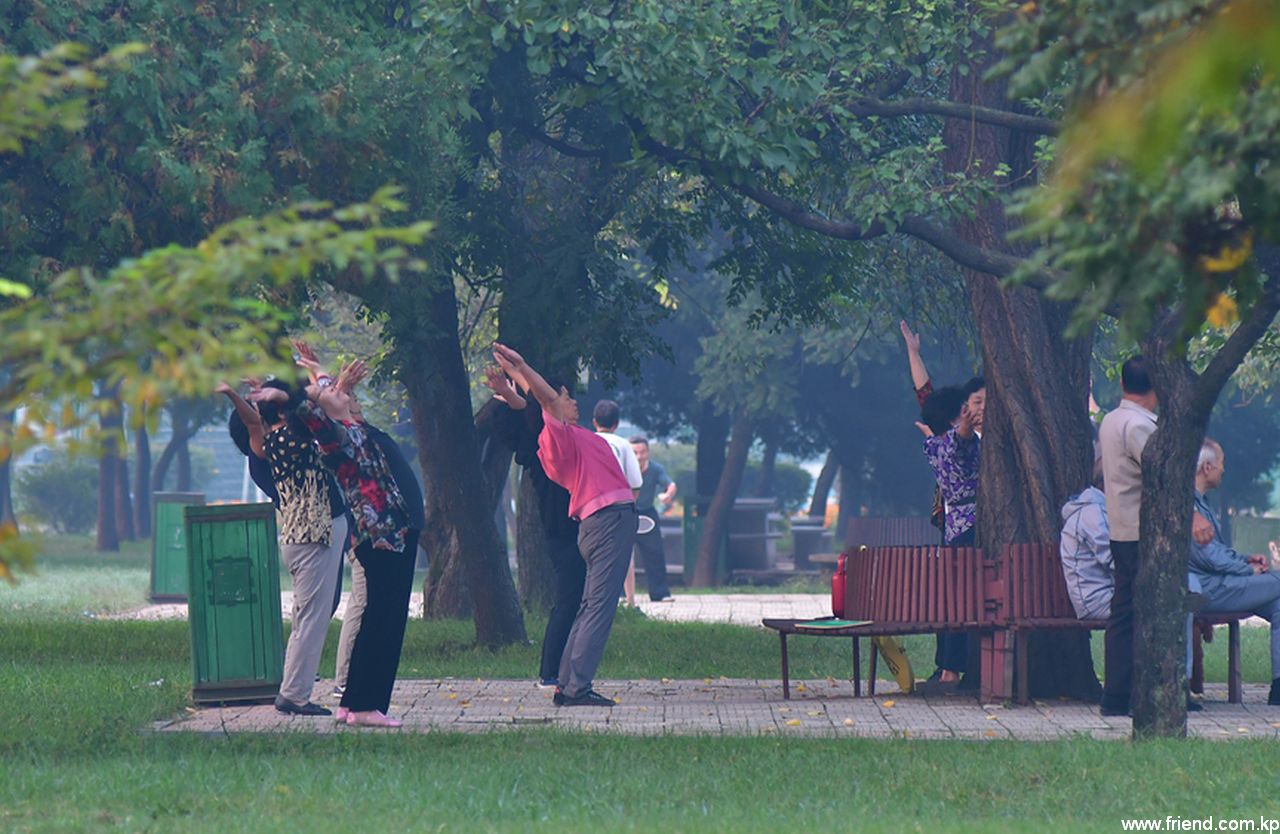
{"type": "Point", "coordinates": [309, 708]}
{"type": "Point", "coordinates": [1273, 699]}
{"type": "Point", "coordinates": [590, 698]}
{"type": "Point", "coordinates": [1114, 708]}
{"type": "Point", "coordinates": [1194, 706]}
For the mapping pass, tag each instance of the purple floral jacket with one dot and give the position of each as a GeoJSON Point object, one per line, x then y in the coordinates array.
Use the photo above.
{"type": "Point", "coordinates": [955, 466]}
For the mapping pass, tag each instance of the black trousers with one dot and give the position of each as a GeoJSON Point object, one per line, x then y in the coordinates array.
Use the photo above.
{"type": "Point", "coordinates": [653, 559]}
{"type": "Point", "coordinates": [1118, 665]}
{"type": "Point", "coordinates": [952, 653]}
{"type": "Point", "coordinates": [375, 657]}
{"type": "Point", "coordinates": [570, 571]}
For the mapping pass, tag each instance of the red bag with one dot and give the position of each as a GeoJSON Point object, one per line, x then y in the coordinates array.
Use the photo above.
{"type": "Point", "coordinates": [837, 588]}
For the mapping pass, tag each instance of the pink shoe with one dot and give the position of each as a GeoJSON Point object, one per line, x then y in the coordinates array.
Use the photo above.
{"type": "Point", "coordinates": [341, 715]}
{"type": "Point", "coordinates": [372, 718]}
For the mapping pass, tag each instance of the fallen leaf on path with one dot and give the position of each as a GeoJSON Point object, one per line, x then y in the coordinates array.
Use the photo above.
{"type": "Point", "coordinates": [795, 722]}
{"type": "Point", "coordinates": [887, 703]}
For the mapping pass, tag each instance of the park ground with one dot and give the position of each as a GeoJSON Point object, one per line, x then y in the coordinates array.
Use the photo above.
{"type": "Point", "coordinates": [82, 693]}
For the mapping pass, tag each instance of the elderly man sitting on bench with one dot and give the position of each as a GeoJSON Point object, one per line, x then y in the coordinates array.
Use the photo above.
{"type": "Point", "coordinates": [1231, 581]}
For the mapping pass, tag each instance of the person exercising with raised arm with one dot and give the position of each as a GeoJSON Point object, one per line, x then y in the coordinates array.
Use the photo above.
{"type": "Point", "coordinates": [600, 499]}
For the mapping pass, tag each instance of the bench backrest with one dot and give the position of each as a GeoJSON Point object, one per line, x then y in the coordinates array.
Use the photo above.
{"type": "Point", "coordinates": [1034, 587]}
{"type": "Point", "coordinates": [936, 585]}
{"type": "Point", "coordinates": [872, 531]}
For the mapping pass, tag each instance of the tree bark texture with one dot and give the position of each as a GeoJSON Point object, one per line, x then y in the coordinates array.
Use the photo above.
{"type": "Point", "coordinates": [463, 499]}
{"type": "Point", "coordinates": [533, 565]}
{"type": "Point", "coordinates": [822, 486]}
{"type": "Point", "coordinates": [713, 433]}
{"type": "Point", "coordinates": [715, 523]}
{"type": "Point", "coordinates": [110, 421]}
{"type": "Point", "coordinates": [124, 502]}
{"type": "Point", "coordinates": [1037, 442]}
{"type": "Point", "coordinates": [142, 482]}
{"type": "Point", "coordinates": [7, 514]}
{"type": "Point", "coordinates": [182, 428]}
{"type": "Point", "coordinates": [768, 466]}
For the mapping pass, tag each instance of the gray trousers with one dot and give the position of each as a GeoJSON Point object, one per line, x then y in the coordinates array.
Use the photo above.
{"type": "Point", "coordinates": [605, 539]}
{"type": "Point", "coordinates": [351, 618]}
{"type": "Point", "coordinates": [314, 568]}
{"type": "Point", "coordinates": [1260, 594]}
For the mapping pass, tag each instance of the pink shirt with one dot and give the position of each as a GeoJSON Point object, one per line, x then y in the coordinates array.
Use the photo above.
{"type": "Point", "coordinates": [582, 462]}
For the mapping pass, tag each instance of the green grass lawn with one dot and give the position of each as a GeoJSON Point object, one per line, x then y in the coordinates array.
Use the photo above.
{"type": "Point", "coordinates": [79, 694]}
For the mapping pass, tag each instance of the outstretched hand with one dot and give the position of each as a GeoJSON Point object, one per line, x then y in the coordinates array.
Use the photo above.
{"type": "Point", "coordinates": [497, 382]}
{"type": "Point", "coordinates": [307, 359]}
{"type": "Point", "coordinates": [352, 375]}
{"type": "Point", "coordinates": [507, 358]}
{"type": "Point", "coordinates": [911, 339]}
{"type": "Point", "coordinates": [925, 430]}
{"type": "Point", "coordinates": [223, 388]}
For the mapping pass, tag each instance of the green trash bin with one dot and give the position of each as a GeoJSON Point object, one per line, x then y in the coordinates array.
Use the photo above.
{"type": "Point", "coordinates": [237, 640]}
{"type": "Point", "coordinates": [693, 534]}
{"type": "Point", "coordinates": [169, 545]}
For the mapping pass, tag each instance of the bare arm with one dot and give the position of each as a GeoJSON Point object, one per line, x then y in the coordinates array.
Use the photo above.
{"type": "Point", "coordinates": [527, 378]}
{"type": "Point", "coordinates": [919, 374]}
{"type": "Point", "coordinates": [249, 414]}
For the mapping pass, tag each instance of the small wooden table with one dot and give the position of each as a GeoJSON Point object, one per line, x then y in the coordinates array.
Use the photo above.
{"type": "Point", "coordinates": [785, 627]}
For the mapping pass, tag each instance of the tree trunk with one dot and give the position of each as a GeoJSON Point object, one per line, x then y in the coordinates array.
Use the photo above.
{"type": "Point", "coordinates": [715, 523]}
{"type": "Point", "coordinates": [533, 565]}
{"type": "Point", "coordinates": [713, 433]}
{"type": "Point", "coordinates": [1036, 446]}
{"type": "Point", "coordinates": [430, 362]}
{"type": "Point", "coordinates": [822, 487]}
{"type": "Point", "coordinates": [768, 466]}
{"type": "Point", "coordinates": [445, 595]}
{"type": "Point", "coordinates": [142, 483]}
{"type": "Point", "coordinates": [111, 423]}
{"type": "Point", "coordinates": [183, 458]}
{"type": "Point", "coordinates": [7, 514]}
{"type": "Point", "coordinates": [124, 502]}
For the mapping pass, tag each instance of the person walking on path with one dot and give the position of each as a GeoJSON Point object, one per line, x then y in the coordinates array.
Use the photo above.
{"type": "Point", "coordinates": [649, 544]}
{"type": "Point", "coordinates": [603, 502]}
{"type": "Point", "coordinates": [1122, 437]}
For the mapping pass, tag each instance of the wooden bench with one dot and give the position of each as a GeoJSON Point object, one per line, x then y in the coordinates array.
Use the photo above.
{"type": "Point", "coordinates": [1035, 599]}
{"type": "Point", "coordinates": [931, 590]}
{"type": "Point", "coordinates": [902, 590]}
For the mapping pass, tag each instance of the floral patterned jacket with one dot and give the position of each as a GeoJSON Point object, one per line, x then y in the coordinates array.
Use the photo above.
{"type": "Point", "coordinates": [955, 466]}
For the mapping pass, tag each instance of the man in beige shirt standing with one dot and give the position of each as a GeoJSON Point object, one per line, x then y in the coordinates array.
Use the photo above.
{"type": "Point", "coordinates": [1122, 437]}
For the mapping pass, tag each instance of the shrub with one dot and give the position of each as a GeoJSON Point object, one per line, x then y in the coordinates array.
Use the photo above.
{"type": "Point", "coordinates": [61, 493]}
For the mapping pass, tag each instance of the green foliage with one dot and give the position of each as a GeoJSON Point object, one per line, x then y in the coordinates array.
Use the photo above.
{"type": "Point", "coordinates": [61, 493]}
{"type": "Point", "coordinates": [1168, 180]}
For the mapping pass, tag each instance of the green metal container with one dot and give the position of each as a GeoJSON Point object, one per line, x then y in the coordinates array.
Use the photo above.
{"type": "Point", "coordinates": [693, 534]}
{"type": "Point", "coordinates": [237, 640]}
{"type": "Point", "coordinates": [169, 545]}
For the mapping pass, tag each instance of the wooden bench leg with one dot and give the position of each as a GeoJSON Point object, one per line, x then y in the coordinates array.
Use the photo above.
{"type": "Point", "coordinates": [1022, 658]}
{"type": "Point", "coordinates": [1196, 684]}
{"type": "Point", "coordinates": [857, 670]}
{"type": "Point", "coordinates": [997, 667]}
{"type": "Point", "coordinates": [1235, 676]}
{"type": "Point", "coordinates": [871, 669]}
{"type": "Point", "coordinates": [786, 671]}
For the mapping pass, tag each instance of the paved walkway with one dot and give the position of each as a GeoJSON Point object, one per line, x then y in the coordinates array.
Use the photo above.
{"type": "Point", "coordinates": [819, 708]}
{"type": "Point", "coordinates": [739, 609]}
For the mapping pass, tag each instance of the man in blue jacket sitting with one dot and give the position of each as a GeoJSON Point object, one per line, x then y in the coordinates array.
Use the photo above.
{"type": "Point", "coordinates": [1231, 581]}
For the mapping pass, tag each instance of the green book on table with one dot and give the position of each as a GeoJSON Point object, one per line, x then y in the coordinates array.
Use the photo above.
{"type": "Point", "coordinates": [825, 624]}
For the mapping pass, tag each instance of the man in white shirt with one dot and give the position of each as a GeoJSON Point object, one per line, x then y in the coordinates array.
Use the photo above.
{"type": "Point", "coordinates": [605, 419]}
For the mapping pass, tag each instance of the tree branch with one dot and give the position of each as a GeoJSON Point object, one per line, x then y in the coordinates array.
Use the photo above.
{"type": "Point", "coordinates": [566, 148]}
{"type": "Point", "coordinates": [956, 110]}
{"type": "Point", "coordinates": [1224, 363]}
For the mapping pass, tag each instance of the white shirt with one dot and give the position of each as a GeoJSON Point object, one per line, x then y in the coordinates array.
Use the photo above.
{"type": "Point", "coordinates": [626, 458]}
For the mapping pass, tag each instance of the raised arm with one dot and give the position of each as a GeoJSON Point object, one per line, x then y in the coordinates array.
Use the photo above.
{"type": "Point", "coordinates": [529, 379]}
{"type": "Point", "coordinates": [919, 374]}
{"type": "Point", "coordinates": [252, 419]}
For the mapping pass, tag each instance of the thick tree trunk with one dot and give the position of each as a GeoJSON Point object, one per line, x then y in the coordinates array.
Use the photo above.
{"type": "Point", "coordinates": [533, 565]}
{"type": "Point", "coordinates": [715, 523]}
{"type": "Point", "coordinates": [430, 362]}
{"type": "Point", "coordinates": [822, 487]}
{"type": "Point", "coordinates": [1036, 446]}
{"type": "Point", "coordinates": [7, 514]}
{"type": "Point", "coordinates": [183, 458]}
{"type": "Point", "coordinates": [142, 483]}
{"type": "Point", "coordinates": [713, 433]}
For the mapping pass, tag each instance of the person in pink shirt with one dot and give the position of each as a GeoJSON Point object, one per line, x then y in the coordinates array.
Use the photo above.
{"type": "Point", "coordinates": [600, 499]}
